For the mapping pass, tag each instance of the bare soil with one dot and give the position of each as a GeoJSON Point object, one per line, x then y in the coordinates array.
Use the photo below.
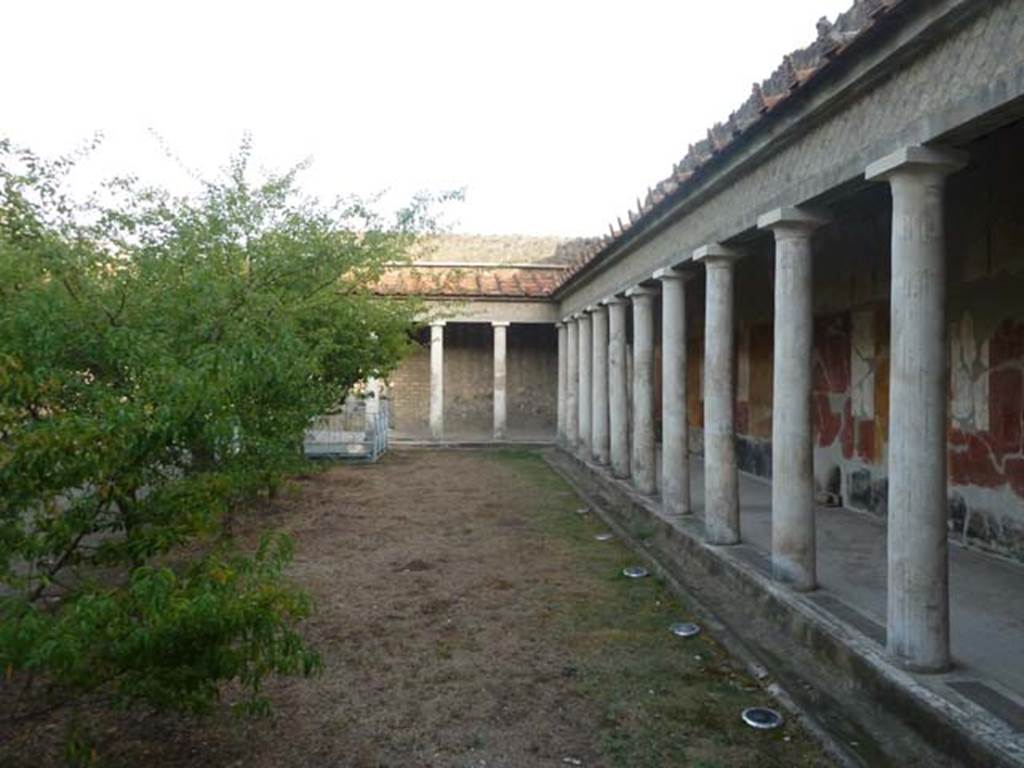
{"type": "Point", "coordinates": [466, 617]}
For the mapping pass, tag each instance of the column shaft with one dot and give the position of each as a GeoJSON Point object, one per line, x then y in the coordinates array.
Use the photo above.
{"type": "Point", "coordinates": [644, 456]}
{"type": "Point", "coordinates": [675, 467]}
{"type": "Point", "coordinates": [562, 376]}
{"type": "Point", "coordinates": [618, 402]}
{"type": "Point", "coordinates": [572, 384]}
{"type": "Point", "coordinates": [918, 559]}
{"type": "Point", "coordinates": [599, 404]}
{"type": "Point", "coordinates": [586, 351]}
{"type": "Point", "coordinates": [437, 381]}
{"type": "Point", "coordinates": [500, 398]}
{"type": "Point", "coordinates": [793, 528]}
{"type": "Point", "coordinates": [721, 480]}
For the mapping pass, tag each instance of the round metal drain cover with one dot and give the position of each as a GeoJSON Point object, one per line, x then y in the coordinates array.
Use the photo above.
{"type": "Point", "coordinates": [634, 572]}
{"type": "Point", "coordinates": [604, 537]}
{"type": "Point", "coordinates": [761, 718]}
{"type": "Point", "coordinates": [685, 629]}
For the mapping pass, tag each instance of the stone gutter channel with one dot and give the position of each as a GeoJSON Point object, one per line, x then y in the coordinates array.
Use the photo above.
{"type": "Point", "coordinates": [820, 658]}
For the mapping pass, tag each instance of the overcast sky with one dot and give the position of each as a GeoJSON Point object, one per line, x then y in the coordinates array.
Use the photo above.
{"type": "Point", "coordinates": [554, 115]}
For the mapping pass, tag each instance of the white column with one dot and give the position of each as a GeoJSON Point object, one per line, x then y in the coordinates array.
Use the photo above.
{"type": "Point", "coordinates": [586, 351]}
{"type": "Point", "coordinates": [644, 455]}
{"type": "Point", "coordinates": [572, 383]}
{"type": "Point", "coordinates": [918, 560]}
{"type": "Point", "coordinates": [373, 394]}
{"type": "Point", "coordinates": [793, 533]}
{"type": "Point", "coordinates": [721, 480]}
{"type": "Point", "coordinates": [675, 466]}
{"type": "Point", "coordinates": [618, 402]}
{"type": "Point", "coordinates": [437, 380]}
{"type": "Point", "coordinates": [562, 376]}
{"type": "Point", "coordinates": [500, 380]}
{"type": "Point", "coordinates": [599, 403]}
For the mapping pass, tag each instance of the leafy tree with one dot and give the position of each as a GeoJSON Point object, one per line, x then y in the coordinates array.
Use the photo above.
{"type": "Point", "coordinates": [160, 359]}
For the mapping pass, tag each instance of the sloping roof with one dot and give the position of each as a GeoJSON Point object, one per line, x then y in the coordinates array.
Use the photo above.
{"type": "Point", "coordinates": [508, 282]}
{"type": "Point", "coordinates": [798, 69]}
{"type": "Point", "coordinates": [483, 266]}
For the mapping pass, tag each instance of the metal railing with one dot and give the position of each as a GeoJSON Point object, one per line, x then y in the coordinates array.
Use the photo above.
{"type": "Point", "coordinates": [358, 432]}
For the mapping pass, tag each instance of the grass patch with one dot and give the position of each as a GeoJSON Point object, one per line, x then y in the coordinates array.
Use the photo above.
{"type": "Point", "coordinates": [662, 700]}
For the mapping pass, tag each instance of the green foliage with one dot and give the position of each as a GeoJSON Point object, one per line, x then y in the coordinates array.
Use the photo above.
{"type": "Point", "coordinates": [160, 359]}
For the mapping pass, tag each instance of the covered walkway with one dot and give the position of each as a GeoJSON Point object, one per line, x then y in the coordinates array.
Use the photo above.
{"type": "Point", "coordinates": [986, 608]}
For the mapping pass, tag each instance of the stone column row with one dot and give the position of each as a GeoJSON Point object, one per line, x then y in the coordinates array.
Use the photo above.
{"type": "Point", "coordinates": [597, 370]}
{"type": "Point", "coordinates": [918, 592]}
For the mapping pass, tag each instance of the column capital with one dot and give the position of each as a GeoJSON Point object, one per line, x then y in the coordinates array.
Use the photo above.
{"type": "Point", "coordinates": [500, 324]}
{"type": "Point", "coordinates": [598, 308]}
{"type": "Point", "coordinates": [568, 320]}
{"type": "Point", "coordinates": [640, 291]}
{"type": "Point", "coordinates": [673, 273]}
{"type": "Point", "coordinates": [716, 252]}
{"type": "Point", "coordinates": [792, 218]}
{"type": "Point", "coordinates": [438, 323]}
{"type": "Point", "coordinates": [616, 299]}
{"type": "Point", "coordinates": [930, 161]}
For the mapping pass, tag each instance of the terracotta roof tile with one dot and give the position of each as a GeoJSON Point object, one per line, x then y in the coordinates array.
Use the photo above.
{"type": "Point", "coordinates": [470, 282]}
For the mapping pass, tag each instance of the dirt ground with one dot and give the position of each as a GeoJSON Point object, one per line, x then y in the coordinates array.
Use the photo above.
{"type": "Point", "coordinates": [466, 617]}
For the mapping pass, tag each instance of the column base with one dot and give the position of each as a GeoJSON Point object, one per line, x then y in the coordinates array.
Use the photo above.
{"type": "Point", "coordinates": [677, 510]}
{"type": "Point", "coordinates": [920, 669]}
{"type": "Point", "coordinates": [794, 576]}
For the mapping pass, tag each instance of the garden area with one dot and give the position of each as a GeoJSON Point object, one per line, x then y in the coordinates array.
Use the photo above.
{"type": "Point", "coordinates": [180, 586]}
{"type": "Point", "coordinates": [465, 615]}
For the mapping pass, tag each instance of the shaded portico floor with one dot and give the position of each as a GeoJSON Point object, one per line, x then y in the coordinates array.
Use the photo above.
{"type": "Point", "coordinates": [986, 591]}
{"type": "Point", "coordinates": [470, 436]}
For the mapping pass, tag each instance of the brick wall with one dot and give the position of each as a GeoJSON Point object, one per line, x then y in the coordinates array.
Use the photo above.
{"type": "Point", "coordinates": [532, 378]}
{"type": "Point", "coordinates": [409, 390]}
{"type": "Point", "coordinates": [468, 379]}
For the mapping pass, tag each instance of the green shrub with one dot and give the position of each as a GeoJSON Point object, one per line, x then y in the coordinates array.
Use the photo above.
{"type": "Point", "coordinates": [160, 360]}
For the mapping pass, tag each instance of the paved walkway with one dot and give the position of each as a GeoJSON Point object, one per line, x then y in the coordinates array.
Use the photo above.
{"type": "Point", "coordinates": [986, 592]}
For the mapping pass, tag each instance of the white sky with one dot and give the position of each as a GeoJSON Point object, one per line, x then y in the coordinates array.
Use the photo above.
{"type": "Point", "coordinates": [554, 115]}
